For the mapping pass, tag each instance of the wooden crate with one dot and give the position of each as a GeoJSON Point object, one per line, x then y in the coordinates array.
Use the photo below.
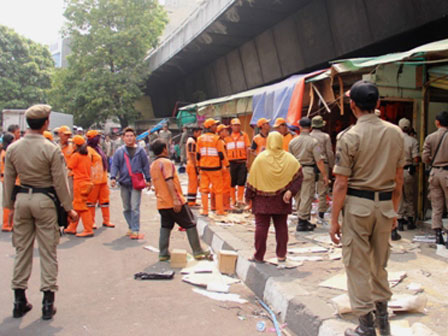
{"type": "Point", "coordinates": [227, 261]}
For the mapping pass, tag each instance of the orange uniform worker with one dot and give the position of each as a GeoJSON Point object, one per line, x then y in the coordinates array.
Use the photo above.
{"type": "Point", "coordinates": [48, 136]}
{"type": "Point", "coordinates": [80, 165]}
{"type": "Point", "coordinates": [210, 154]}
{"type": "Point", "coordinates": [8, 139]}
{"type": "Point", "coordinates": [281, 127]}
{"type": "Point", "coordinates": [64, 136]}
{"type": "Point", "coordinates": [238, 145]}
{"type": "Point", "coordinates": [192, 168]}
{"type": "Point", "coordinates": [223, 132]}
{"type": "Point", "coordinates": [100, 192]}
{"type": "Point", "coordinates": [259, 141]}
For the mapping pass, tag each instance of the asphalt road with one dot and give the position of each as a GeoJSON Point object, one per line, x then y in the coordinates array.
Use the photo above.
{"type": "Point", "coordinates": [99, 296]}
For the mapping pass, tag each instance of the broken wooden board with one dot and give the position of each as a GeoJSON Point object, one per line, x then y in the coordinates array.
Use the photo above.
{"type": "Point", "coordinates": [305, 258]}
{"type": "Point", "coordinates": [201, 266]}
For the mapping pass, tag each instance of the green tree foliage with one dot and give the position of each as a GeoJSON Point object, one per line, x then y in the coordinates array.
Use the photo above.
{"type": "Point", "coordinates": [25, 70]}
{"type": "Point", "coordinates": [109, 40]}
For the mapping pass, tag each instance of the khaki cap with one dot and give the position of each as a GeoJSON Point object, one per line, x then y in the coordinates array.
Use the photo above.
{"type": "Point", "coordinates": [39, 111]}
{"type": "Point", "coordinates": [404, 123]}
{"type": "Point", "coordinates": [318, 122]}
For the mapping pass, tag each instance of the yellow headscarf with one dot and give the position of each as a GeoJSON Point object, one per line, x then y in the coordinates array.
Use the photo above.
{"type": "Point", "coordinates": [274, 168]}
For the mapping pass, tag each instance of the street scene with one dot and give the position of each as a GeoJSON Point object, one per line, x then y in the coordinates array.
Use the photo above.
{"type": "Point", "coordinates": [209, 167]}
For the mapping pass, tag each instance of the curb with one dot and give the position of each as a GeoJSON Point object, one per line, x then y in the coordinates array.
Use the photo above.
{"type": "Point", "coordinates": [304, 313]}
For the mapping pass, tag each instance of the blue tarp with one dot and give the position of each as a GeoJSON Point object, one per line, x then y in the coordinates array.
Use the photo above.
{"type": "Point", "coordinates": [152, 130]}
{"type": "Point", "coordinates": [273, 102]}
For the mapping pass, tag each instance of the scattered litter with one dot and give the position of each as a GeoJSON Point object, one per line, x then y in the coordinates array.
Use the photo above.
{"type": "Point", "coordinates": [305, 258]}
{"type": "Point", "coordinates": [312, 249]}
{"type": "Point", "coordinates": [442, 251]}
{"type": "Point", "coordinates": [151, 248]}
{"type": "Point", "coordinates": [261, 326]}
{"type": "Point", "coordinates": [425, 273]}
{"type": "Point", "coordinates": [408, 303]}
{"type": "Point", "coordinates": [339, 281]}
{"type": "Point", "coordinates": [424, 239]}
{"type": "Point", "coordinates": [168, 275]}
{"type": "Point", "coordinates": [342, 303]}
{"type": "Point", "coordinates": [225, 224]}
{"type": "Point", "coordinates": [288, 264]}
{"type": "Point", "coordinates": [336, 255]}
{"type": "Point", "coordinates": [324, 239]}
{"type": "Point", "coordinates": [415, 287]}
{"type": "Point", "coordinates": [220, 296]}
{"type": "Point", "coordinates": [273, 317]}
{"type": "Point", "coordinates": [202, 266]}
{"type": "Point", "coordinates": [218, 287]}
{"type": "Point", "coordinates": [241, 317]}
{"type": "Point", "coordinates": [283, 326]}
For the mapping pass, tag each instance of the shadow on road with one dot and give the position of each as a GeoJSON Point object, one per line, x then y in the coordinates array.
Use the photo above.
{"type": "Point", "coordinates": [72, 242]}
{"type": "Point", "coordinates": [11, 326]}
{"type": "Point", "coordinates": [5, 236]}
{"type": "Point", "coordinates": [123, 243]}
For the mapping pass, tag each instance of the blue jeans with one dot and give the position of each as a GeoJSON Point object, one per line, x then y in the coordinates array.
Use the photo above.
{"type": "Point", "coordinates": [131, 206]}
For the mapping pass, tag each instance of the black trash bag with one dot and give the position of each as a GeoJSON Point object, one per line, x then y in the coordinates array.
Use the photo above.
{"type": "Point", "coordinates": [168, 275]}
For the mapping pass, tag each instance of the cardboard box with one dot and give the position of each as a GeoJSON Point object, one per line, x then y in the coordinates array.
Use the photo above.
{"type": "Point", "coordinates": [227, 261]}
{"type": "Point", "coordinates": [178, 258]}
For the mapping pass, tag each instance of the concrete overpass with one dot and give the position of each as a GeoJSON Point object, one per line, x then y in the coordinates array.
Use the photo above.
{"type": "Point", "coordinates": [227, 46]}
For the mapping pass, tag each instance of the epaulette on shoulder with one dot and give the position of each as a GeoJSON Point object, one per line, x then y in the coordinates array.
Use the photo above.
{"type": "Point", "coordinates": [341, 133]}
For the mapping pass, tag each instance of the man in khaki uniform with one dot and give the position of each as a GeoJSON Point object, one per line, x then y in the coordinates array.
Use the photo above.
{"type": "Point", "coordinates": [406, 212]}
{"type": "Point", "coordinates": [438, 177]}
{"type": "Point", "coordinates": [307, 151]}
{"type": "Point", "coordinates": [369, 181]}
{"type": "Point", "coordinates": [39, 164]}
{"type": "Point", "coordinates": [317, 123]}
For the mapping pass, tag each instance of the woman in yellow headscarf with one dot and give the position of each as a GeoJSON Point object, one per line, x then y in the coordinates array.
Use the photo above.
{"type": "Point", "coordinates": [274, 178]}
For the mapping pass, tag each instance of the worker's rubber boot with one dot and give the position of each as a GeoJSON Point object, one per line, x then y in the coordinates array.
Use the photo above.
{"type": "Point", "coordinates": [92, 209]}
{"type": "Point", "coordinates": [226, 201]}
{"type": "Point", "coordinates": [382, 318]}
{"type": "Point", "coordinates": [220, 205]}
{"type": "Point", "coordinates": [241, 194]}
{"type": "Point", "coordinates": [71, 228]}
{"type": "Point", "coordinates": [105, 211]}
{"type": "Point", "coordinates": [213, 201]}
{"type": "Point", "coordinates": [401, 223]}
{"type": "Point", "coordinates": [395, 235]}
{"type": "Point", "coordinates": [439, 237]}
{"type": "Point", "coordinates": [411, 223]}
{"type": "Point", "coordinates": [21, 305]}
{"type": "Point", "coordinates": [232, 196]}
{"type": "Point", "coordinates": [88, 225]}
{"type": "Point", "coordinates": [366, 327]}
{"type": "Point", "coordinates": [195, 243]}
{"type": "Point", "coordinates": [48, 308]}
{"type": "Point", "coordinates": [204, 199]}
{"type": "Point", "coordinates": [164, 244]}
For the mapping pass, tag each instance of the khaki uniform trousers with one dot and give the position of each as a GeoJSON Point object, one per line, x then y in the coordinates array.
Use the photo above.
{"type": "Point", "coordinates": [322, 191]}
{"type": "Point", "coordinates": [307, 190]}
{"type": "Point", "coordinates": [366, 231]}
{"type": "Point", "coordinates": [407, 199]}
{"type": "Point", "coordinates": [438, 194]}
{"type": "Point", "coordinates": [35, 218]}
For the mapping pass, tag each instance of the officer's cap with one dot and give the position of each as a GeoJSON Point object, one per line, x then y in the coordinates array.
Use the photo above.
{"type": "Point", "coordinates": [39, 111]}
{"type": "Point", "coordinates": [305, 122]}
{"type": "Point", "coordinates": [404, 123]}
{"type": "Point", "coordinates": [364, 94]}
{"type": "Point", "coordinates": [318, 122]}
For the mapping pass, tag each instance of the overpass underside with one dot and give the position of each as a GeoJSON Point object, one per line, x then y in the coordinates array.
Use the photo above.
{"type": "Point", "coordinates": [231, 46]}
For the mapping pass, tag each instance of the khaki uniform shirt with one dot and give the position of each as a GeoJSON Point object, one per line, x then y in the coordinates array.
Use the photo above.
{"type": "Point", "coordinates": [38, 163]}
{"type": "Point", "coordinates": [411, 150]}
{"type": "Point", "coordinates": [325, 144]}
{"type": "Point", "coordinates": [430, 146]}
{"type": "Point", "coordinates": [369, 154]}
{"type": "Point", "coordinates": [306, 149]}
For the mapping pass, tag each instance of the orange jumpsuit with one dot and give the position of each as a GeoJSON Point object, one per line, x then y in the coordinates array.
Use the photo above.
{"type": "Point", "coordinates": [191, 171]}
{"type": "Point", "coordinates": [81, 167]}
{"type": "Point", "coordinates": [237, 145]}
{"type": "Point", "coordinates": [5, 227]}
{"type": "Point", "coordinates": [100, 192]}
{"type": "Point", "coordinates": [286, 140]}
{"type": "Point", "coordinates": [210, 153]}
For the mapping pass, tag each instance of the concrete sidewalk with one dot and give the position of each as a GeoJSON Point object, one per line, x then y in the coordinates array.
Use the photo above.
{"type": "Point", "coordinates": [295, 294]}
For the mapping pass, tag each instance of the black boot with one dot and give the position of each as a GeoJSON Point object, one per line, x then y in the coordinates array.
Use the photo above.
{"type": "Point", "coordinates": [395, 235]}
{"type": "Point", "coordinates": [21, 305]}
{"type": "Point", "coordinates": [195, 243]}
{"type": "Point", "coordinates": [366, 327]}
{"type": "Point", "coordinates": [164, 243]}
{"type": "Point", "coordinates": [411, 223]}
{"type": "Point", "coordinates": [48, 308]}
{"type": "Point", "coordinates": [382, 318]}
{"type": "Point", "coordinates": [304, 225]}
{"type": "Point", "coordinates": [401, 224]}
{"type": "Point", "coordinates": [439, 237]}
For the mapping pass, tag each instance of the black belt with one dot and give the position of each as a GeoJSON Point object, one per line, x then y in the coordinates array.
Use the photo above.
{"type": "Point", "coordinates": [441, 167]}
{"type": "Point", "coordinates": [407, 166]}
{"type": "Point", "coordinates": [308, 165]}
{"type": "Point", "coordinates": [33, 190]}
{"type": "Point", "coordinates": [383, 196]}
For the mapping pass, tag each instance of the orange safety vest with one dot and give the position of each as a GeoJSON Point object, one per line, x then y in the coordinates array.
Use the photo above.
{"type": "Point", "coordinates": [210, 151]}
{"type": "Point", "coordinates": [225, 161]}
{"type": "Point", "coordinates": [261, 141]}
{"type": "Point", "coordinates": [191, 150]}
{"type": "Point", "coordinates": [237, 144]}
{"type": "Point", "coordinates": [286, 140]}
